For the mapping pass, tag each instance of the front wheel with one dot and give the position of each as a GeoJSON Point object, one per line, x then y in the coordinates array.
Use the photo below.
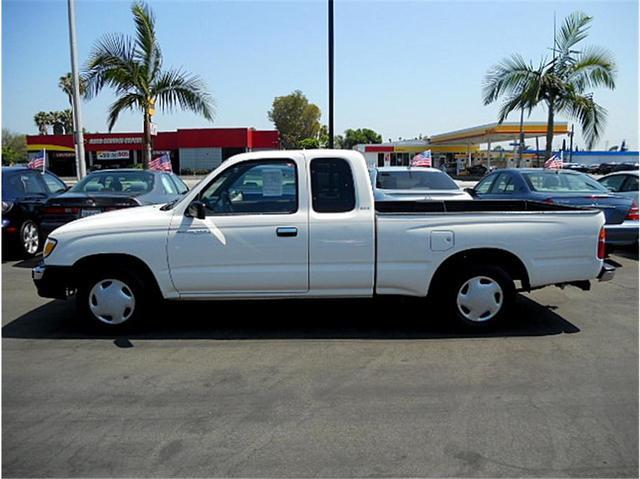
{"type": "Point", "coordinates": [111, 300]}
{"type": "Point", "coordinates": [480, 296]}
{"type": "Point", "coordinates": [29, 238]}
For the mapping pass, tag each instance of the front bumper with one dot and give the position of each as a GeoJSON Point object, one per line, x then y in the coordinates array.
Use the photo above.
{"type": "Point", "coordinates": [53, 281]}
{"type": "Point", "coordinates": [623, 234]}
{"type": "Point", "coordinates": [607, 272]}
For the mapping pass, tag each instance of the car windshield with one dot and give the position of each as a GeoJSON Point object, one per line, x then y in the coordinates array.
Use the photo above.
{"type": "Point", "coordinates": [414, 180]}
{"type": "Point", "coordinates": [135, 182]}
{"type": "Point", "coordinates": [560, 182]}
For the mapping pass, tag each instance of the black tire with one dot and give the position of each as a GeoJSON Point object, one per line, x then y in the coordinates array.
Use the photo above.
{"type": "Point", "coordinates": [489, 306]}
{"type": "Point", "coordinates": [121, 292]}
{"type": "Point", "coordinates": [29, 238]}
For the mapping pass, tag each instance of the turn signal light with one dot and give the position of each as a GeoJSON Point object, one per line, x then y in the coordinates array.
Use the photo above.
{"type": "Point", "coordinates": [633, 213]}
{"type": "Point", "coordinates": [602, 247]}
{"type": "Point", "coordinates": [48, 247]}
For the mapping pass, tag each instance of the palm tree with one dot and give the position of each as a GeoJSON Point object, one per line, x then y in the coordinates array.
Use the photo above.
{"type": "Point", "coordinates": [133, 68]}
{"type": "Point", "coordinates": [560, 83]}
{"type": "Point", "coordinates": [66, 85]}
{"type": "Point", "coordinates": [41, 119]}
{"type": "Point", "coordinates": [66, 118]}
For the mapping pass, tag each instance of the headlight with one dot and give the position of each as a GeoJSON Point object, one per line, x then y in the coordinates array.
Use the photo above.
{"type": "Point", "coordinates": [49, 246]}
{"type": "Point", "coordinates": [6, 206]}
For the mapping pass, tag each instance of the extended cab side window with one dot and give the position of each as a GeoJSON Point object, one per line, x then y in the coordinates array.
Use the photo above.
{"type": "Point", "coordinates": [256, 187]}
{"type": "Point", "coordinates": [332, 188]}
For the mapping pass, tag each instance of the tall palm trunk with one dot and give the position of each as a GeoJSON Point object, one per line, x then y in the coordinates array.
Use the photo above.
{"type": "Point", "coordinates": [549, 147]}
{"type": "Point", "coordinates": [146, 153]}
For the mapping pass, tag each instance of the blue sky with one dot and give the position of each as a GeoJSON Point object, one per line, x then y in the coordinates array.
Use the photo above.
{"type": "Point", "coordinates": [402, 68]}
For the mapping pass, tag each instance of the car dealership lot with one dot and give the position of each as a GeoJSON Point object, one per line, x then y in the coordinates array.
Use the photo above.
{"type": "Point", "coordinates": [336, 388]}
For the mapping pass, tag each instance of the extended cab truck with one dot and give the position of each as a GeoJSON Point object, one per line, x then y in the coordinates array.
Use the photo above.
{"type": "Point", "coordinates": [303, 224]}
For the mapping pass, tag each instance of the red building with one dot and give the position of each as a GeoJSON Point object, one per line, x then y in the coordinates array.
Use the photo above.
{"type": "Point", "coordinates": [199, 150]}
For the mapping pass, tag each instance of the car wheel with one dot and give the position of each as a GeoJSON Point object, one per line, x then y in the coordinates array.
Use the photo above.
{"type": "Point", "coordinates": [29, 238]}
{"type": "Point", "coordinates": [480, 296]}
{"type": "Point", "coordinates": [112, 300]}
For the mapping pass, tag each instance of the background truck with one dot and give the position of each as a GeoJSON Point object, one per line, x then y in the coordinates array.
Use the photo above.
{"type": "Point", "coordinates": [304, 224]}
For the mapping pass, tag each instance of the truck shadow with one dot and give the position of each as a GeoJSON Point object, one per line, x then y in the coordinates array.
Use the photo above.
{"type": "Point", "coordinates": [384, 319]}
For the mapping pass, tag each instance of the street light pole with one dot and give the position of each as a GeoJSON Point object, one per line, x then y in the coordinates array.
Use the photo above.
{"type": "Point", "coordinates": [78, 137]}
{"type": "Point", "coordinates": [330, 73]}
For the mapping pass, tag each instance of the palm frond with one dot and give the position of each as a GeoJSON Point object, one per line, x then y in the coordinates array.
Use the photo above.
{"type": "Point", "coordinates": [592, 117]}
{"type": "Point", "coordinates": [175, 88]}
{"type": "Point", "coordinates": [508, 77]}
{"type": "Point", "coordinates": [147, 50]}
{"type": "Point", "coordinates": [575, 29]}
{"type": "Point", "coordinates": [594, 67]}
{"type": "Point", "coordinates": [129, 101]}
{"type": "Point", "coordinates": [110, 63]}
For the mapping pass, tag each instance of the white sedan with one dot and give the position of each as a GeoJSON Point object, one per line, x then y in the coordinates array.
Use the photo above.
{"type": "Point", "coordinates": [405, 183]}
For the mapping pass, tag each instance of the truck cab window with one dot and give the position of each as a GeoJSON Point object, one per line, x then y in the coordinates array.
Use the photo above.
{"type": "Point", "coordinates": [260, 187]}
{"type": "Point", "coordinates": [332, 187]}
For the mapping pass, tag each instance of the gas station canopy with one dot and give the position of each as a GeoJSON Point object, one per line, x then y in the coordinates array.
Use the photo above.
{"type": "Point", "coordinates": [497, 132]}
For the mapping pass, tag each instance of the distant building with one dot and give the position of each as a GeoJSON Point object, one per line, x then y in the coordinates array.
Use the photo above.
{"type": "Point", "coordinates": [201, 149]}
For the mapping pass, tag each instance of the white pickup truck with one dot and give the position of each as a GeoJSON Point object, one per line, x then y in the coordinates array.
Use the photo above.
{"type": "Point", "coordinates": [304, 224]}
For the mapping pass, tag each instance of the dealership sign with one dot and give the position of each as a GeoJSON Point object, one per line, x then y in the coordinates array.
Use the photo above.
{"type": "Point", "coordinates": [113, 155]}
{"type": "Point", "coordinates": [115, 140]}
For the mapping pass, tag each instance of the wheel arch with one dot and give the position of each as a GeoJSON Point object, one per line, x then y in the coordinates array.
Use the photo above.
{"type": "Point", "coordinates": [511, 263]}
{"type": "Point", "coordinates": [120, 260]}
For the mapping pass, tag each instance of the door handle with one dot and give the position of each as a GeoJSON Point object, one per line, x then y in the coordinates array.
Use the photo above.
{"type": "Point", "coordinates": [285, 231]}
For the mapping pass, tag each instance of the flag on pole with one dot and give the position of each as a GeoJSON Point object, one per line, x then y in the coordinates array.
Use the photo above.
{"type": "Point", "coordinates": [161, 163]}
{"type": "Point", "coordinates": [553, 163]}
{"type": "Point", "coordinates": [422, 159]}
{"type": "Point", "coordinates": [37, 162]}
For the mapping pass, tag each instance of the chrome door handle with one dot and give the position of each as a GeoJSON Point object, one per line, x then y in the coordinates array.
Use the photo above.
{"type": "Point", "coordinates": [287, 231]}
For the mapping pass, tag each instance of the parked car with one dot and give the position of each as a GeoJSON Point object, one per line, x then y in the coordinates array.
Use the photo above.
{"type": "Point", "coordinates": [311, 229]}
{"type": "Point", "coordinates": [477, 170]}
{"type": "Point", "coordinates": [567, 188]}
{"type": "Point", "coordinates": [403, 183]}
{"type": "Point", "coordinates": [24, 191]}
{"type": "Point", "coordinates": [108, 190]}
{"type": "Point", "coordinates": [624, 183]}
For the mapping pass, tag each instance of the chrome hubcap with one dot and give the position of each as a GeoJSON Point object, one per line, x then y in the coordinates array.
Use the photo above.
{"type": "Point", "coordinates": [30, 238]}
{"type": "Point", "coordinates": [111, 301]}
{"type": "Point", "coordinates": [480, 299]}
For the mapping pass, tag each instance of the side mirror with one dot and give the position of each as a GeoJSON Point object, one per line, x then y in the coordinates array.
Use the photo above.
{"type": "Point", "coordinates": [471, 191]}
{"type": "Point", "coordinates": [195, 210]}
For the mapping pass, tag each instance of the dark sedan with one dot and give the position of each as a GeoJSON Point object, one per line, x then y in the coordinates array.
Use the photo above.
{"type": "Point", "coordinates": [24, 191]}
{"type": "Point", "coordinates": [109, 190]}
{"type": "Point", "coordinates": [564, 187]}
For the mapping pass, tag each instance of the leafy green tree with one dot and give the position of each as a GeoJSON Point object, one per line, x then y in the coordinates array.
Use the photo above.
{"type": "Point", "coordinates": [295, 118]}
{"type": "Point", "coordinates": [133, 68]}
{"type": "Point", "coordinates": [309, 143]}
{"type": "Point", "coordinates": [361, 135]}
{"type": "Point", "coordinates": [14, 147]}
{"type": "Point", "coordinates": [560, 83]}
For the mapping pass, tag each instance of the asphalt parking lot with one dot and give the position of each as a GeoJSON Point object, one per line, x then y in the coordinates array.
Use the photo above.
{"type": "Point", "coordinates": [336, 388]}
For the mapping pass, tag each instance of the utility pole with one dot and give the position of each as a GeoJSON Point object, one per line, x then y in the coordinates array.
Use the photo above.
{"type": "Point", "coordinates": [521, 143]}
{"type": "Point", "coordinates": [330, 73]}
{"type": "Point", "coordinates": [78, 137]}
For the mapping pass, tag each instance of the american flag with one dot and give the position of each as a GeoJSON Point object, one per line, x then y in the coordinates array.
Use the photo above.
{"type": "Point", "coordinates": [422, 159]}
{"type": "Point", "coordinates": [553, 163]}
{"type": "Point", "coordinates": [161, 163]}
{"type": "Point", "coordinates": [37, 162]}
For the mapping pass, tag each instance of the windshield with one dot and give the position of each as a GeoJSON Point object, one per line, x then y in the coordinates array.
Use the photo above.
{"type": "Point", "coordinates": [136, 182]}
{"type": "Point", "coordinates": [559, 182]}
{"type": "Point", "coordinates": [414, 180]}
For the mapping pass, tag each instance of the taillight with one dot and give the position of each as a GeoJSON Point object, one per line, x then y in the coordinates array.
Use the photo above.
{"type": "Point", "coordinates": [60, 210]}
{"type": "Point", "coordinates": [602, 247]}
{"type": "Point", "coordinates": [633, 213]}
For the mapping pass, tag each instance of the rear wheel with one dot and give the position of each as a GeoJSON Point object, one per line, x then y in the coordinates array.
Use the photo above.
{"type": "Point", "coordinates": [480, 296]}
{"type": "Point", "coordinates": [29, 238]}
{"type": "Point", "coordinates": [112, 300]}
